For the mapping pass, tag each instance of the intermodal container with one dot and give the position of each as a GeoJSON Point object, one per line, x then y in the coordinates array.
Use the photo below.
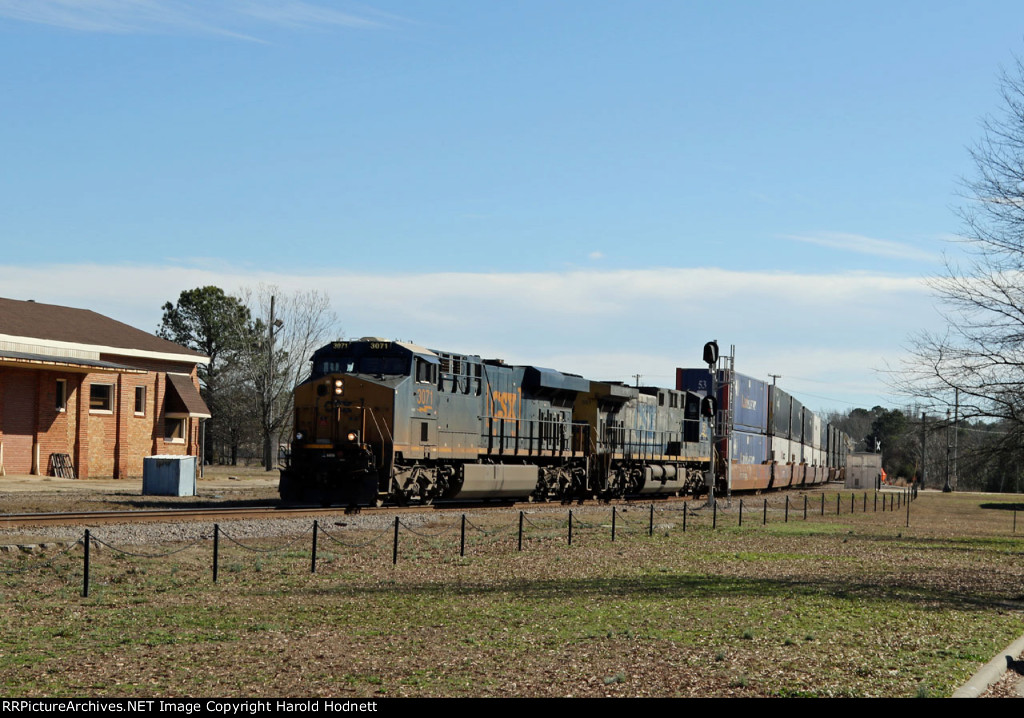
{"type": "Point", "coordinates": [750, 410]}
{"type": "Point", "coordinates": [796, 422]}
{"type": "Point", "coordinates": [695, 380]}
{"type": "Point", "coordinates": [780, 407]}
{"type": "Point", "coordinates": [749, 448]}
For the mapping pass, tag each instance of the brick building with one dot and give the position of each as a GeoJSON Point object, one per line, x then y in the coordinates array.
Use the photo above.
{"type": "Point", "coordinates": [104, 394]}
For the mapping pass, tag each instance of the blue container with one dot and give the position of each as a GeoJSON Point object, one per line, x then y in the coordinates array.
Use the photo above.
{"type": "Point", "coordinates": [169, 476]}
{"type": "Point", "coordinates": [748, 448]}
{"type": "Point", "coordinates": [696, 380]}
{"type": "Point", "coordinates": [750, 409]}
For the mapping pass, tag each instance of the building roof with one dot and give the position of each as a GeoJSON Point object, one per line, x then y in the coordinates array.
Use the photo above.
{"type": "Point", "coordinates": [49, 326]}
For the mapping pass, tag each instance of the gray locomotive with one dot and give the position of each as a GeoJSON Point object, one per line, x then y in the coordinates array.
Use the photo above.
{"type": "Point", "coordinates": [383, 421]}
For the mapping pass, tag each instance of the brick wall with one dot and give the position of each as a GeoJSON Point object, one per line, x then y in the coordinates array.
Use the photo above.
{"type": "Point", "coordinates": [101, 443]}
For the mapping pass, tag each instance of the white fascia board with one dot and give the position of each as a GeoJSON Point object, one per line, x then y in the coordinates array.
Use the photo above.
{"type": "Point", "coordinates": [94, 349]}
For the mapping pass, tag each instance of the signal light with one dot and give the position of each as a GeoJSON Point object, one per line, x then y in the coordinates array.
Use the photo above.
{"type": "Point", "coordinates": [711, 353]}
{"type": "Point", "coordinates": [707, 407]}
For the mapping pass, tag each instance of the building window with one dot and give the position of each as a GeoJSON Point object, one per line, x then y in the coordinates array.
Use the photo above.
{"type": "Point", "coordinates": [62, 394]}
{"type": "Point", "coordinates": [174, 430]}
{"type": "Point", "coordinates": [140, 401]}
{"type": "Point", "coordinates": [101, 397]}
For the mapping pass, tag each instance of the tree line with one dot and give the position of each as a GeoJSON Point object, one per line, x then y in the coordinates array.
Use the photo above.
{"type": "Point", "coordinates": [258, 343]}
{"type": "Point", "coordinates": [936, 449]}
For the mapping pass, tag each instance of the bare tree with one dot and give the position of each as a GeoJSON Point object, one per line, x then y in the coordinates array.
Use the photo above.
{"type": "Point", "coordinates": [279, 344]}
{"type": "Point", "coordinates": [978, 363]}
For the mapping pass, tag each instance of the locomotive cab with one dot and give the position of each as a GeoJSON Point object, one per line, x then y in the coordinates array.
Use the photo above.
{"type": "Point", "coordinates": [345, 429]}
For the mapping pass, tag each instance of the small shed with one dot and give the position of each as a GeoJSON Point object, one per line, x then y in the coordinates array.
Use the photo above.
{"type": "Point", "coordinates": [863, 470]}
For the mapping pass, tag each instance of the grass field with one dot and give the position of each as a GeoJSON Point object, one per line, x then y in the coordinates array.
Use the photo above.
{"type": "Point", "coordinates": [849, 605]}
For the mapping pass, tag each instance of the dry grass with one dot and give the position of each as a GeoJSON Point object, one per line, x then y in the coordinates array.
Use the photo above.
{"type": "Point", "coordinates": [849, 605]}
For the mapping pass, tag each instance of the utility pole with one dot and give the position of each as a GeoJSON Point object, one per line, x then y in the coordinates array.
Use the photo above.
{"type": "Point", "coordinates": [924, 445]}
{"type": "Point", "coordinates": [774, 377]}
{"type": "Point", "coordinates": [956, 432]}
{"type": "Point", "coordinates": [273, 325]}
{"type": "Point", "coordinates": [268, 461]}
{"type": "Point", "coordinates": [949, 449]}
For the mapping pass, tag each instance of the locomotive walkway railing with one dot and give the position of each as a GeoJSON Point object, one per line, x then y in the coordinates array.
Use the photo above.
{"type": "Point", "coordinates": [524, 528]}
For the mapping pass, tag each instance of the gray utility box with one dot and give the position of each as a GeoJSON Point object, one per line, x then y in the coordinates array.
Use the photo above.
{"type": "Point", "coordinates": [169, 476]}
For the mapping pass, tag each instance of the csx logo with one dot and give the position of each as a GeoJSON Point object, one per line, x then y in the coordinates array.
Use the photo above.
{"type": "Point", "coordinates": [504, 405]}
{"type": "Point", "coordinates": [749, 404]}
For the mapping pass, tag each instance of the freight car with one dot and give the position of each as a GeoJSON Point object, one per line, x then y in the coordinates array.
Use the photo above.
{"type": "Point", "coordinates": [771, 440]}
{"type": "Point", "coordinates": [387, 421]}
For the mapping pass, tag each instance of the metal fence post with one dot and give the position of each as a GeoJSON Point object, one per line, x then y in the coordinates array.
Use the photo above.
{"type": "Point", "coordinates": [462, 538]}
{"type": "Point", "coordinates": [650, 523]}
{"type": "Point", "coordinates": [764, 519]}
{"type": "Point", "coordinates": [570, 527]}
{"type": "Point", "coordinates": [85, 568]}
{"type": "Point", "coordinates": [394, 550]}
{"type": "Point", "coordinates": [741, 512]}
{"type": "Point", "coordinates": [786, 519]}
{"type": "Point", "coordinates": [520, 530]}
{"type": "Point", "coordinates": [312, 562]}
{"type": "Point", "coordinates": [714, 515]}
{"type": "Point", "coordinates": [216, 549]}
{"type": "Point", "coordinates": [613, 523]}
{"type": "Point", "coordinates": [805, 507]}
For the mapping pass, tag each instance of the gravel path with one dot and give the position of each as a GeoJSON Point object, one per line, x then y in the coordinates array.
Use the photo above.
{"type": "Point", "coordinates": [133, 534]}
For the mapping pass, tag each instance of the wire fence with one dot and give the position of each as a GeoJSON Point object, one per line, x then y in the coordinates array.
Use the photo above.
{"type": "Point", "coordinates": [537, 526]}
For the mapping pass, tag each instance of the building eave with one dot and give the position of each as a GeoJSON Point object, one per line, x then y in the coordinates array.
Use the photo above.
{"type": "Point", "coordinates": [59, 347]}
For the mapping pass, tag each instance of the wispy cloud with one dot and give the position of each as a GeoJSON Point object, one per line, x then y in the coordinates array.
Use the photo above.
{"type": "Point", "coordinates": [243, 19]}
{"type": "Point", "coordinates": [601, 323]}
{"type": "Point", "coordinates": [865, 245]}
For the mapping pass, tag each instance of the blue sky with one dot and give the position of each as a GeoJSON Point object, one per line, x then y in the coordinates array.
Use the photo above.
{"type": "Point", "coordinates": [595, 186]}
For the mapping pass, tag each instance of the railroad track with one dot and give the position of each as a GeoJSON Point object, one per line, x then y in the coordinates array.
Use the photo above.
{"type": "Point", "coordinates": [92, 518]}
{"type": "Point", "coordinates": [88, 518]}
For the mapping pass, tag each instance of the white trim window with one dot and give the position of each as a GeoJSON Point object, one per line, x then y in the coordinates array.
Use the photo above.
{"type": "Point", "coordinates": [62, 395]}
{"type": "Point", "coordinates": [101, 398]}
{"type": "Point", "coordinates": [174, 429]}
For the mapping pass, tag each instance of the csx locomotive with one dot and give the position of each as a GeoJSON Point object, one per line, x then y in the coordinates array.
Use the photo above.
{"type": "Point", "coordinates": [383, 421]}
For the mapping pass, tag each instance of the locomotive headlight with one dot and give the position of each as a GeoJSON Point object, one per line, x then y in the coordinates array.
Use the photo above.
{"type": "Point", "coordinates": [352, 436]}
{"type": "Point", "coordinates": [339, 386]}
